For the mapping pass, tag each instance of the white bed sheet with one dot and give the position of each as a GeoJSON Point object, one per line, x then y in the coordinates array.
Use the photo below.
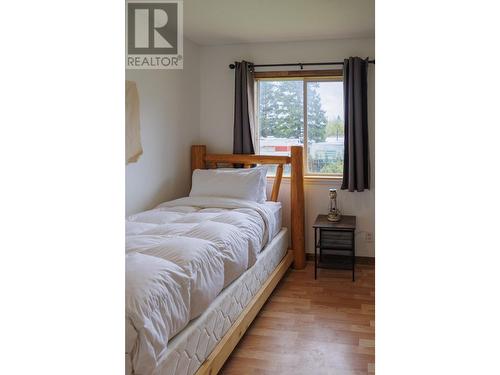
{"type": "Point", "coordinates": [157, 305]}
{"type": "Point", "coordinates": [276, 209]}
{"type": "Point", "coordinates": [211, 240]}
{"type": "Point", "coordinates": [199, 259]}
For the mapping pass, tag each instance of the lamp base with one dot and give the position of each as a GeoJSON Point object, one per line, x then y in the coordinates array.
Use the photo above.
{"type": "Point", "coordinates": [334, 216]}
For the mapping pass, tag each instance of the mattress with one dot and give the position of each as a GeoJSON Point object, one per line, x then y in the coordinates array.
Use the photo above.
{"type": "Point", "coordinates": [189, 349]}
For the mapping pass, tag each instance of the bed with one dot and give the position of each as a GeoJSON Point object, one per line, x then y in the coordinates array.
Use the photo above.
{"type": "Point", "coordinates": [199, 268]}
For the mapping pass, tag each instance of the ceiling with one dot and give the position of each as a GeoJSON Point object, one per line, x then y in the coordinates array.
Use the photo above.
{"type": "Point", "coordinates": [213, 22]}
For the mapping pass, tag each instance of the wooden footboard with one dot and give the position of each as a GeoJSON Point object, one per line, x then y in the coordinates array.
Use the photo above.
{"type": "Point", "coordinates": [221, 352]}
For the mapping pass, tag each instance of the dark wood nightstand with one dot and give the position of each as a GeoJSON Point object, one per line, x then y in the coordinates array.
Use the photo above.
{"type": "Point", "coordinates": [335, 242]}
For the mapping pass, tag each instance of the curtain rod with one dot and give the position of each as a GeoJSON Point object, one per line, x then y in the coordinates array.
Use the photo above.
{"type": "Point", "coordinates": [232, 66]}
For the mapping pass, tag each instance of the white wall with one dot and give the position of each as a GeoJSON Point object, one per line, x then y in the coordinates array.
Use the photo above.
{"type": "Point", "coordinates": [169, 106]}
{"type": "Point", "coordinates": [216, 118]}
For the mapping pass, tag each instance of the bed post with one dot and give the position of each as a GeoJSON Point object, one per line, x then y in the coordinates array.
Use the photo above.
{"type": "Point", "coordinates": [297, 208]}
{"type": "Point", "coordinates": [198, 153]}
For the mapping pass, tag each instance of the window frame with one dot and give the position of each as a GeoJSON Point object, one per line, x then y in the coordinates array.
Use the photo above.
{"type": "Point", "coordinates": [305, 76]}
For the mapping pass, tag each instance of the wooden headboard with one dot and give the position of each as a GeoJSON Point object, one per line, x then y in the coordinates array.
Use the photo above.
{"type": "Point", "coordinates": [201, 160]}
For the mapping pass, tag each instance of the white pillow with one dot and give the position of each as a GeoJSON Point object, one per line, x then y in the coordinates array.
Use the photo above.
{"type": "Point", "coordinates": [263, 179]}
{"type": "Point", "coordinates": [241, 183]}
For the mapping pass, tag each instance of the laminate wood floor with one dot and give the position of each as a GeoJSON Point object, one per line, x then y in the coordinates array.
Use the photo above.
{"type": "Point", "coordinates": [312, 327]}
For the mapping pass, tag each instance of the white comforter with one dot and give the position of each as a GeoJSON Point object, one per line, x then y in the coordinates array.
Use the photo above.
{"type": "Point", "coordinates": [179, 256]}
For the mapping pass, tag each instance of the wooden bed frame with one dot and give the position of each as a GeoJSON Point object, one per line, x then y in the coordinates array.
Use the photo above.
{"type": "Point", "coordinates": [296, 255]}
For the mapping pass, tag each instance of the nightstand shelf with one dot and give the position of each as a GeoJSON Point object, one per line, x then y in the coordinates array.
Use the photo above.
{"type": "Point", "coordinates": [335, 242]}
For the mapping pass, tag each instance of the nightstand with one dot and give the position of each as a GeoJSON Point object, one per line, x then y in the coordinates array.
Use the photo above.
{"type": "Point", "coordinates": [335, 243]}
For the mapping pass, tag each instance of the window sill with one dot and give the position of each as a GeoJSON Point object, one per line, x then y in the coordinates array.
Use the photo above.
{"type": "Point", "coordinates": [313, 179]}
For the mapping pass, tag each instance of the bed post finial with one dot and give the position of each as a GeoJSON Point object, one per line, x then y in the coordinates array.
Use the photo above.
{"type": "Point", "coordinates": [297, 208]}
{"type": "Point", "coordinates": [198, 153]}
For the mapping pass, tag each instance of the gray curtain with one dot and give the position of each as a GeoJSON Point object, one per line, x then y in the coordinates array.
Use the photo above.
{"type": "Point", "coordinates": [243, 109]}
{"type": "Point", "coordinates": [356, 150]}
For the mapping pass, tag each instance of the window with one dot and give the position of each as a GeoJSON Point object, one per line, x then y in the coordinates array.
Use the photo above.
{"type": "Point", "coordinates": [307, 111]}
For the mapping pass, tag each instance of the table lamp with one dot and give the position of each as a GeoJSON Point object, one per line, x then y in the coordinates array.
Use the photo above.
{"type": "Point", "coordinates": [334, 214]}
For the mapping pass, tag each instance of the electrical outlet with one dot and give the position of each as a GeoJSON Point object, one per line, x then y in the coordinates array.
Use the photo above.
{"type": "Point", "coordinates": [369, 237]}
